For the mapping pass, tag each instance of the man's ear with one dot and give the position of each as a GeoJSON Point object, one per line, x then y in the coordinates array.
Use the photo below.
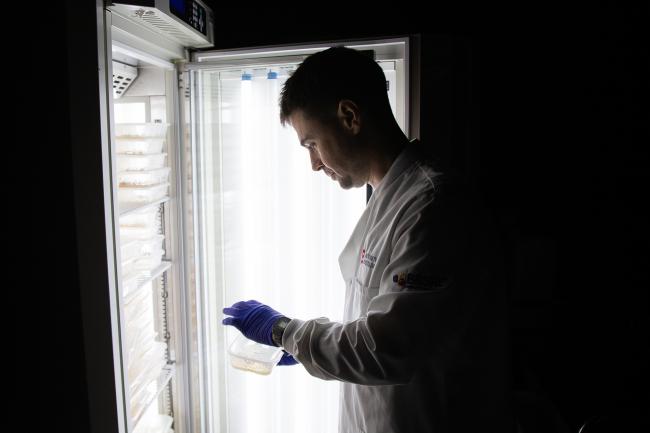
{"type": "Point", "coordinates": [349, 116]}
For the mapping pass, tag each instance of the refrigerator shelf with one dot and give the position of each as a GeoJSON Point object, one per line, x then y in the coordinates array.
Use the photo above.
{"type": "Point", "coordinates": [133, 207]}
{"type": "Point", "coordinates": [165, 377]}
{"type": "Point", "coordinates": [141, 281]}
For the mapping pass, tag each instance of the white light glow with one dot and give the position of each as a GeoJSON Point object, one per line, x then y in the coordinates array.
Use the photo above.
{"type": "Point", "coordinates": [283, 229]}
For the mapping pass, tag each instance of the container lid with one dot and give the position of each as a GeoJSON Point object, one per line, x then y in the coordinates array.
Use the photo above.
{"type": "Point", "coordinates": [140, 155]}
{"type": "Point", "coordinates": [143, 187]}
{"type": "Point", "coordinates": [154, 171]}
{"type": "Point", "coordinates": [131, 138]}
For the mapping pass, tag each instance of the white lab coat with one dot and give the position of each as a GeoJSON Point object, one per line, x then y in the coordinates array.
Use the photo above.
{"type": "Point", "coordinates": [422, 347]}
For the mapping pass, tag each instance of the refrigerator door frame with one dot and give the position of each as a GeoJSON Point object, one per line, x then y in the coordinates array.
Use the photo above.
{"type": "Point", "coordinates": [261, 56]}
{"type": "Point", "coordinates": [292, 53]}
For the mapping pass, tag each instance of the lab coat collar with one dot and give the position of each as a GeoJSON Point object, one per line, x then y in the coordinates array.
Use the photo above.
{"type": "Point", "coordinates": [404, 160]}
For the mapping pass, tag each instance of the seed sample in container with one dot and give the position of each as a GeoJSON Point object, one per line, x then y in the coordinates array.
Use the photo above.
{"type": "Point", "coordinates": [248, 355]}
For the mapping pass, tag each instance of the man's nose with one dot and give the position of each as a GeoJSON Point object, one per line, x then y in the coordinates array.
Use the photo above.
{"type": "Point", "coordinates": [316, 163]}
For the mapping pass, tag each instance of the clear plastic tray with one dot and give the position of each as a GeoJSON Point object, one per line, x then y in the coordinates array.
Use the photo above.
{"type": "Point", "coordinates": [140, 331]}
{"type": "Point", "coordinates": [139, 130]}
{"type": "Point", "coordinates": [138, 351]}
{"type": "Point", "coordinates": [138, 368]}
{"type": "Point", "coordinates": [142, 194]}
{"type": "Point", "coordinates": [143, 178]}
{"type": "Point", "coordinates": [152, 246]}
{"type": "Point", "coordinates": [143, 233]}
{"type": "Point", "coordinates": [141, 345]}
{"type": "Point", "coordinates": [130, 250]}
{"type": "Point", "coordinates": [140, 146]}
{"type": "Point", "coordinates": [140, 303]}
{"type": "Point", "coordinates": [140, 162]}
{"type": "Point", "coordinates": [248, 355]}
{"type": "Point", "coordinates": [130, 283]}
{"type": "Point", "coordinates": [143, 266]}
{"type": "Point", "coordinates": [134, 248]}
{"type": "Point", "coordinates": [153, 422]}
{"type": "Point", "coordinates": [146, 379]}
{"type": "Point", "coordinates": [147, 217]}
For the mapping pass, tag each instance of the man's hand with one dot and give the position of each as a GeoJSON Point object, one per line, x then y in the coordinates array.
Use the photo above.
{"type": "Point", "coordinates": [253, 319]}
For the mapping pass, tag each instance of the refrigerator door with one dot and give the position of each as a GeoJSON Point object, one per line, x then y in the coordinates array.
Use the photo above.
{"type": "Point", "coordinates": [265, 227]}
{"type": "Point", "coordinates": [156, 315]}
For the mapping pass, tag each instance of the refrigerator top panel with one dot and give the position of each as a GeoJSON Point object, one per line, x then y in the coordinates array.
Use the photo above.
{"type": "Point", "coordinates": [384, 49]}
{"type": "Point", "coordinates": [187, 22]}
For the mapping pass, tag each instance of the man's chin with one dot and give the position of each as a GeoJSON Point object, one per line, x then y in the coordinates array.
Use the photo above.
{"type": "Point", "coordinates": [347, 183]}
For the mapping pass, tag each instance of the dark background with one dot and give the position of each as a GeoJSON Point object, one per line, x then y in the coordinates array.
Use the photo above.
{"type": "Point", "coordinates": [546, 112]}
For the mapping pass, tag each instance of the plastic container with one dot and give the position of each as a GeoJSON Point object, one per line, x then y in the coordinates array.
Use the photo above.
{"type": "Point", "coordinates": [248, 355]}
{"type": "Point", "coordinates": [153, 422]}
{"type": "Point", "coordinates": [130, 250]}
{"type": "Point", "coordinates": [144, 386]}
{"type": "Point", "coordinates": [141, 303]}
{"type": "Point", "coordinates": [143, 266]}
{"type": "Point", "coordinates": [139, 370]}
{"type": "Point", "coordinates": [141, 233]}
{"type": "Point", "coordinates": [144, 177]}
{"type": "Point", "coordinates": [147, 217]}
{"type": "Point", "coordinates": [136, 335]}
{"type": "Point", "coordinates": [150, 263]}
{"type": "Point", "coordinates": [153, 246]}
{"type": "Point", "coordinates": [142, 194]}
{"type": "Point", "coordinates": [141, 130]}
{"type": "Point", "coordinates": [138, 351]}
{"type": "Point", "coordinates": [131, 282]}
{"type": "Point", "coordinates": [140, 162]}
{"type": "Point", "coordinates": [139, 248]}
{"type": "Point", "coordinates": [138, 308]}
{"type": "Point", "coordinates": [141, 146]}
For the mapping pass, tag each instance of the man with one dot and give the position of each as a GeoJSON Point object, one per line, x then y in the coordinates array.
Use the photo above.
{"type": "Point", "coordinates": [422, 347]}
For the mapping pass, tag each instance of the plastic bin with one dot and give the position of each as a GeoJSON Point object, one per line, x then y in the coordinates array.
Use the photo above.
{"type": "Point", "coordinates": [138, 351]}
{"type": "Point", "coordinates": [139, 146]}
{"type": "Point", "coordinates": [139, 369]}
{"type": "Point", "coordinates": [136, 335]}
{"type": "Point", "coordinates": [144, 177]}
{"type": "Point", "coordinates": [138, 308]}
{"type": "Point", "coordinates": [142, 233]}
{"type": "Point", "coordinates": [145, 265]}
{"type": "Point", "coordinates": [139, 312]}
{"type": "Point", "coordinates": [131, 282]}
{"type": "Point", "coordinates": [139, 248]}
{"type": "Point", "coordinates": [130, 250]}
{"type": "Point", "coordinates": [140, 162]}
{"type": "Point", "coordinates": [140, 130]}
{"type": "Point", "coordinates": [141, 397]}
{"type": "Point", "coordinates": [142, 194]}
{"type": "Point", "coordinates": [248, 355]}
{"type": "Point", "coordinates": [146, 378]}
{"type": "Point", "coordinates": [153, 246]}
{"type": "Point", "coordinates": [147, 217]}
{"type": "Point", "coordinates": [153, 422]}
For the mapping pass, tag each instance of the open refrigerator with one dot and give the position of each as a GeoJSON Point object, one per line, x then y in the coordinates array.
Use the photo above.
{"type": "Point", "coordinates": [178, 147]}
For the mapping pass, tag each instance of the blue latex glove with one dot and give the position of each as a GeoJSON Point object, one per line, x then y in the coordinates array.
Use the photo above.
{"type": "Point", "coordinates": [287, 359]}
{"type": "Point", "coordinates": [253, 319]}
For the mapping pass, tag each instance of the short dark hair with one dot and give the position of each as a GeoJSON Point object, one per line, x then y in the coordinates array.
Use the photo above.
{"type": "Point", "coordinates": [327, 77]}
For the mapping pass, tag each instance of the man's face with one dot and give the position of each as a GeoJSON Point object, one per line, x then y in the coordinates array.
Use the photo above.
{"type": "Point", "coordinates": [332, 148]}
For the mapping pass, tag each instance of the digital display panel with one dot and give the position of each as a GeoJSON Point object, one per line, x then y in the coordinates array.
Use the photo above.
{"type": "Point", "coordinates": [191, 12]}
